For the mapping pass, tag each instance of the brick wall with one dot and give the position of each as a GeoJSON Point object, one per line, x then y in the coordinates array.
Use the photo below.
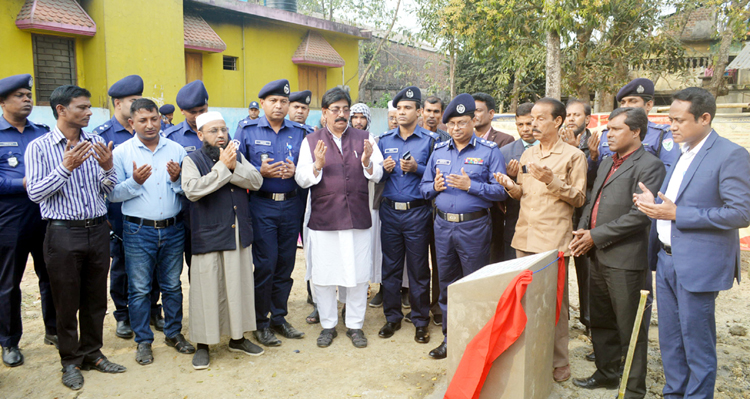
{"type": "Point", "coordinates": [54, 65]}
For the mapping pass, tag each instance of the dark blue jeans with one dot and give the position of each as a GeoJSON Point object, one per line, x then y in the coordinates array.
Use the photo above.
{"type": "Point", "coordinates": [149, 250]}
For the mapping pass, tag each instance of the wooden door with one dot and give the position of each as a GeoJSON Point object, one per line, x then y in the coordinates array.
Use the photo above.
{"type": "Point", "coordinates": [313, 79]}
{"type": "Point", "coordinates": [193, 67]}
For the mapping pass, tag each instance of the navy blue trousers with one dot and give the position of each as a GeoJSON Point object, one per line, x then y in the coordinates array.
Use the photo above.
{"type": "Point", "coordinates": [462, 248]}
{"type": "Point", "coordinates": [21, 233]}
{"type": "Point", "coordinates": [275, 231]}
{"type": "Point", "coordinates": [406, 233]}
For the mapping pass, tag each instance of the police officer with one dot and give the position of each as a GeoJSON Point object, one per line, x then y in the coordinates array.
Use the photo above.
{"type": "Point", "coordinates": [167, 114]}
{"type": "Point", "coordinates": [405, 216]}
{"type": "Point", "coordinates": [253, 112]}
{"type": "Point", "coordinates": [118, 130]}
{"type": "Point", "coordinates": [299, 108]}
{"type": "Point", "coordinates": [193, 101]}
{"type": "Point", "coordinates": [272, 145]}
{"type": "Point", "coordinates": [459, 176]}
{"type": "Point", "coordinates": [21, 226]}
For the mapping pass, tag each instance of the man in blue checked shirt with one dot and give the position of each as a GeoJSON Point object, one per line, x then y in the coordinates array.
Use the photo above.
{"type": "Point", "coordinates": [68, 173]}
{"type": "Point", "coordinates": [148, 171]}
{"type": "Point", "coordinates": [459, 176]}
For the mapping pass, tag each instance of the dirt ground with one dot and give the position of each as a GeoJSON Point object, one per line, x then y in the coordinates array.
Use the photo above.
{"type": "Point", "coordinates": [390, 368]}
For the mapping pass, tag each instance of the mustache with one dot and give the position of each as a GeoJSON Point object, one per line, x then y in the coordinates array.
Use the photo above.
{"type": "Point", "coordinates": [536, 130]}
{"type": "Point", "coordinates": [340, 120]}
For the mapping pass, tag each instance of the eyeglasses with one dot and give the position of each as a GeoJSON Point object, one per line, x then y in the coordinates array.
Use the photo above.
{"type": "Point", "coordinates": [460, 125]}
{"type": "Point", "coordinates": [337, 110]}
{"type": "Point", "coordinates": [217, 130]}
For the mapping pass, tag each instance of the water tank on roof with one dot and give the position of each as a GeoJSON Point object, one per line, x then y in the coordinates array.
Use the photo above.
{"type": "Point", "coordinates": [286, 5]}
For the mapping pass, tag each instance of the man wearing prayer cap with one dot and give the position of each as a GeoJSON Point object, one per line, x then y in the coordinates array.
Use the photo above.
{"type": "Point", "coordinates": [22, 229]}
{"type": "Point", "coordinates": [392, 121]}
{"type": "Point", "coordinates": [216, 179]}
{"type": "Point", "coordinates": [167, 114]}
{"type": "Point", "coordinates": [271, 143]}
{"type": "Point", "coordinates": [117, 130]}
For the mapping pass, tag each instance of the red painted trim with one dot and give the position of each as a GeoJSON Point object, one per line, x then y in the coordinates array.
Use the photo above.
{"type": "Point", "coordinates": [56, 27]}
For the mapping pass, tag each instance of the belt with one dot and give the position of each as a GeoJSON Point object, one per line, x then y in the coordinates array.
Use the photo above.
{"type": "Point", "coordinates": [78, 223]}
{"type": "Point", "coordinates": [405, 206]}
{"type": "Point", "coordinates": [666, 248]}
{"type": "Point", "coordinates": [276, 196]}
{"type": "Point", "coordinates": [462, 217]}
{"type": "Point", "coordinates": [157, 224]}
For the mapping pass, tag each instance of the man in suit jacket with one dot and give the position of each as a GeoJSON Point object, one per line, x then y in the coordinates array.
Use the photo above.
{"type": "Point", "coordinates": [695, 241]}
{"type": "Point", "coordinates": [615, 234]}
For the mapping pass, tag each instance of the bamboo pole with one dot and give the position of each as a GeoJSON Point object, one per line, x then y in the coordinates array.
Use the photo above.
{"type": "Point", "coordinates": [631, 348]}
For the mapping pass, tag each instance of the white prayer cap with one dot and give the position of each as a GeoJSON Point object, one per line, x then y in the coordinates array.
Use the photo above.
{"type": "Point", "coordinates": [390, 106]}
{"type": "Point", "coordinates": [211, 116]}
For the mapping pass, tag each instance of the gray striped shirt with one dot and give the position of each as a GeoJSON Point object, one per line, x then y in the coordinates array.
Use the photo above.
{"type": "Point", "coordinates": [60, 193]}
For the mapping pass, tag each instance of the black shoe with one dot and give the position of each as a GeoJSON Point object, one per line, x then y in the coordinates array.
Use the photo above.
{"type": "Point", "coordinates": [405, 298]}
{"type": "Point", "coordinates": [180, 344]}
{"type": "Point", "coordinates": [326, 337]}
{"type": "Point", "coordinates": [407, 317]}
{"type": "Point", "coordinates": [422, 335]}
{"type": "Point", "coordinates": [266, 337]}
{"type": "Point", "coordinates": [591, 357]}
{"type": "Point", "coordinates": [51, 339]}
{"type": "Point", "coordinates": [157, 320]}
{"type": "Point", "coordinates": [245, 346]}
{"type": "Point", "coordinates": [287, 331]}
{"type": "Point", "coordinates": [102, 365]}
{"type": "Point", "coordinates": [437, 319]}
{"type": "Point", "coordinates": [377, 300]}
{"type": "Point", "coordinates": [595, 383]}
{"type": "Point", "coordinates": [72, 377]}
{"type": "Point", "coordinates": [389, 329]}
{"type": "Point", "coordinates": [358, 337]}
{"type": "Point", "coordinates": [314, 317]}
{"type": "Point", "coordinates": [12, 356]}
{"type": "Point", "coordinates": [123, 330]}
{"type": "Point", "coordinates": [201, 360]}
{"type": "Point", "coordinates": [143, 354]}
{"type": "Point", "coordinates": [441, 352]}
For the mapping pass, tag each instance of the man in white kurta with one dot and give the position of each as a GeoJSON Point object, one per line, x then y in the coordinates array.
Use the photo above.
{"type": "Point", "coordinates": [221, 282]}
{"type": "Point", "coordinates": [339, 256]}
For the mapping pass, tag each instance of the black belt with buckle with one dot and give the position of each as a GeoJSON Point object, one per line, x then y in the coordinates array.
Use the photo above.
{"type": "Point", "coordinates": [276, 196]}
{"type": "Point", "coordinates": [157, 224]}
{"type": "Point", "coordinates": [405, 206]}
{"type": "Point", "coordinates": [666, 248]}
{"type": "Point", "coordinates": [462, 217]}
{"type": "Point", "coordinates": [78, 223]}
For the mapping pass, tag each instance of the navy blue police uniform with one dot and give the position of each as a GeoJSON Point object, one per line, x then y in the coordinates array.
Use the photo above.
{"type": "Point", "coordinates": [244, 121]}
{"type": "Point", "coordinates": [22, 229]}
{"type": "Point", "coordinates": [304, 97]}
{"type": "Point", "coordinates": [275, 210]}
{"type": "Point", "coordinates": [166, 109]}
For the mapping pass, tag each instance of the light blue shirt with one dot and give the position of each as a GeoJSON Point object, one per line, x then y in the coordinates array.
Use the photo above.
{"type": "Point", "coordinates": [158, 197]}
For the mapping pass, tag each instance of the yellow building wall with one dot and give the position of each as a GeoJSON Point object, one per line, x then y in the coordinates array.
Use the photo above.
{"type": "Point", "coordinates": [225, 88]}
{"type": "Point", "coordinates": [15, 45]}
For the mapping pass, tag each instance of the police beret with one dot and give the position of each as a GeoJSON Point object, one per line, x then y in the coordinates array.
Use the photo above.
{"type": "Point", "coordinates": [12, 83]}
{"type": "Point", "coordinates": [192, 95]}
{"type": "Point", "coordinates": [128, 86]}
{"type": "Point", "coordinates": [303, 97]}
{"type": "Point", "coordinates": [461, 105]}
{"type": "Point", "coordinates": [411, 93]}
{"type": "Point", "coordinates": [166, 109]}
{"type": "Point", "coordinates": [637, 87]}
{"type": "Point", "coordinates": [253, 105]}
{"type": "Point", "coordinates": [276, 88]}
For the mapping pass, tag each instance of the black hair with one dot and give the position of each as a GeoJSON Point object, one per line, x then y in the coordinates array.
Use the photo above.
{"type": "Point", "coordinates": [487, 99]}
{"type": "Point", "coordinates": [701, 101]}
{"type": "Point", "coordinates": [143, 103]}
{"type": "Point", "coordinates": [524, 109]}
{"type": "Point", "coordinates": [335, 95]}
{"type": "Point", "coordinates": [63, 95]}
{"type": "Point", "coordinates": [635, 118]}
{"type": "Point", "coordinates": [558, 108]}
{"type": "Point", "coordinates": [435, 100]}
{"type": "Point", "coordinates": [586, 107]}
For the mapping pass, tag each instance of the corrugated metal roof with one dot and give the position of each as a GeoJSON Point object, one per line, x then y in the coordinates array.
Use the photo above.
{"type": "Point", "coordinates": [742, 61]}
{"type": "Point", "coordinates": [65, 16]}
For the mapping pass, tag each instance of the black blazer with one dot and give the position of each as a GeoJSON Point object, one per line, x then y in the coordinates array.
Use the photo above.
{"type": "Point", "coordinates": [621, 233]}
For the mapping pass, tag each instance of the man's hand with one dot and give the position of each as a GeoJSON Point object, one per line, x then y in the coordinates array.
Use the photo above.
{"type": "Point", "coordinates": [174, 170]}
{"type": "Point", "coordinates": [389, 164]}
{"type": "Point", "coordinates": [513, 168]}
{"type": "Point", "coordinates": [320, 155]}
{"type": "Point", "coordinates": [271, 170]}
{"type": "Point", "coordinates": [567, 135]}
{"type": "Point", "coordinates": [541, 173]}
{"type": "Point", "coordinates": [228, 156]}
{"type": "Point", "coordinates": [461, 182]}
{"type": "Point", "coordinates": [594, 146]}
{"type": "Point", "coordinates": [505, 180]}
{"type": "Point", "coordinates": [367, 153]}
{"type": "Point", "coordinates": [645, 197]}
{"type": "Point", "coordinates": [74, 157]}
{"type": "Point", "coordinates": [667, 210]}
{"type": "Point", "coordinates": [439, 180]}
{"type": "Point", "coordinates": [408, 165]}
{"type": "Point", "coordinates": [140, 175]}
{"type": "Point", "coordinates": [582, 242]}
{"type": "Point", "coordinates": [287, 171]}
{"type": "Point", "coordinates": [103, 155]}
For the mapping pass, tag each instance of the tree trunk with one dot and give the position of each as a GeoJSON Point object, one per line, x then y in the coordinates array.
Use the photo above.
{"type": "Point", "coordinates": [363, 77]}
{"type": "Point", "coordinates": [515, 93]}
{"type": "Point", "coordinates": [554, 70]}
{"type": "Point", "coordinates": [606, 101]}
{"type": "Point", "coordinates": [453, 67]}
{"type": "Point", "coordinates": [715, 86]}
{"type": "Point", "coordinates": [582, 90]}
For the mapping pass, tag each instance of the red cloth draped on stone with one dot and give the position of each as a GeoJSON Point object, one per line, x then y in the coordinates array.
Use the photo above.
{"type": "Point", "coordinates": [498, 335]}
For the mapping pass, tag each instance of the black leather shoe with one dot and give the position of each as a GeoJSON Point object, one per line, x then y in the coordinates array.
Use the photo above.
{"type": "Point", "coordinates": [287, 331]}
{"type": "Point", "coordinates": [326, 337]}
{"type": "Point", "coordinates": [441, 352]}
{"type": "Point", "coordinates": [143, 354]}
{"type": "Point", "coordinates": [591, 357]}
{"type": "Point", "coordinates": [157, 320]}
{"type": "Point", "coordinates": [180, 344]}
{"type": "Point", "coordinates": [266, 337]}
{"type": "Point", "coordinates": [123, 330]}
{"type": "Point", "coordinates": [405, 298]}
{"type": "Point", "coordinates": [377, 300]}
{"type": "Point", "coordinates": [51, 339]}
{"type": "Point", "coordinates": [407, 317]}
{"type": "Point", "coordinates": [358, 337]}
{"type": "Point", "coordinates": [595, 383]}
{"type": "Point", "coordinates": [72, 377]}
{"type": "Point", "coordinates": [12, 356]}
{"type": "Point", "coordinates": [389, 329]}
{"type": "Point", "coordinates": [422, 335]}
{"type": "Point", "coordinates": [437, 319]}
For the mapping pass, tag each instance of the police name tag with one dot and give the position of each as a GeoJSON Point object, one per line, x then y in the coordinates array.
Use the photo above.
{"type": "Point", "coordinates": [443, 162]}
{"type": "Point", "coordinates": [8, 144]}
{"type": "Point", "coordinates": [391, 150]}
{"type": "Point", "coordinates": [190, 148]}
{"type": "Point", "coordinates": [262, 142]}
